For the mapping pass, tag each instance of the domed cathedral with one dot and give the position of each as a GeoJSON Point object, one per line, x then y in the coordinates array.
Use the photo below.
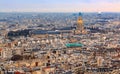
{"type": "Point", "coordinates": [80, 25]}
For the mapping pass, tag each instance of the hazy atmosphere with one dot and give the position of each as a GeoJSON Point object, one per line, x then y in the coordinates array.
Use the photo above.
{"type": "Point", "coordinates": [59, 5]}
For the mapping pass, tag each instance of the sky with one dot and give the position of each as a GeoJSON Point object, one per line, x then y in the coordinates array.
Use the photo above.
{"type": "Point", "coordinates": [59, 5]}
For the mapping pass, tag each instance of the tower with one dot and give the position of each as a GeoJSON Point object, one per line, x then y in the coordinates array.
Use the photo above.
{"type": "Point", "coordinates": [100, 61]}
{"type": "Point", "coordinates": [80, 25]}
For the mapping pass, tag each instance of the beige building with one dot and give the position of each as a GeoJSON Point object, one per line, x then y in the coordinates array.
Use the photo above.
{"type": "Point", "coordinates": [100, 61]}
{"type": "Point", "coordinates": [5, 53]}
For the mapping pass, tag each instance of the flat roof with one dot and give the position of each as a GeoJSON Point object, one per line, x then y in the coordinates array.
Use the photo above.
{"type": "Point", "coordinates": [73, 45]}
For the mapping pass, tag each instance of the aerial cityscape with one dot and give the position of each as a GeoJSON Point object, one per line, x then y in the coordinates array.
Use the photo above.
{"type": "Point", "coordinates": [54, 40]}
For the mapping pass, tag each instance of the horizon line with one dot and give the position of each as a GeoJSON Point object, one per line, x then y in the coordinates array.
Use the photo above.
{"type": "Point", "coordinates": [57, 12]}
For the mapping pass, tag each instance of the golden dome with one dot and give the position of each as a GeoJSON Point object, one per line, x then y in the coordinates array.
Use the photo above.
{"type": "Point", "coordinates": [80, 21]}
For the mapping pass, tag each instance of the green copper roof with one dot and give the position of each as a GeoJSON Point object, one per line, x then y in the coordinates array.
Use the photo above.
{"type": "Point", "coordinates": [73, 45]}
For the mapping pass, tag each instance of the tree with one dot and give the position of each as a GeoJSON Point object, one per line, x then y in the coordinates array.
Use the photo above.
{"type": "Point", "coordinates": [16, 57]}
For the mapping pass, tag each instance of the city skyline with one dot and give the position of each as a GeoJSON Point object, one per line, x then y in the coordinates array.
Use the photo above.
{"type": "Point", "coordinates": [59, 6]}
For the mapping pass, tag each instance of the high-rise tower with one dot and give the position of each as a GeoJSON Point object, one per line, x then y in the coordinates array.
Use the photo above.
{"type": "Point", "coordinates": [80, 25]}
